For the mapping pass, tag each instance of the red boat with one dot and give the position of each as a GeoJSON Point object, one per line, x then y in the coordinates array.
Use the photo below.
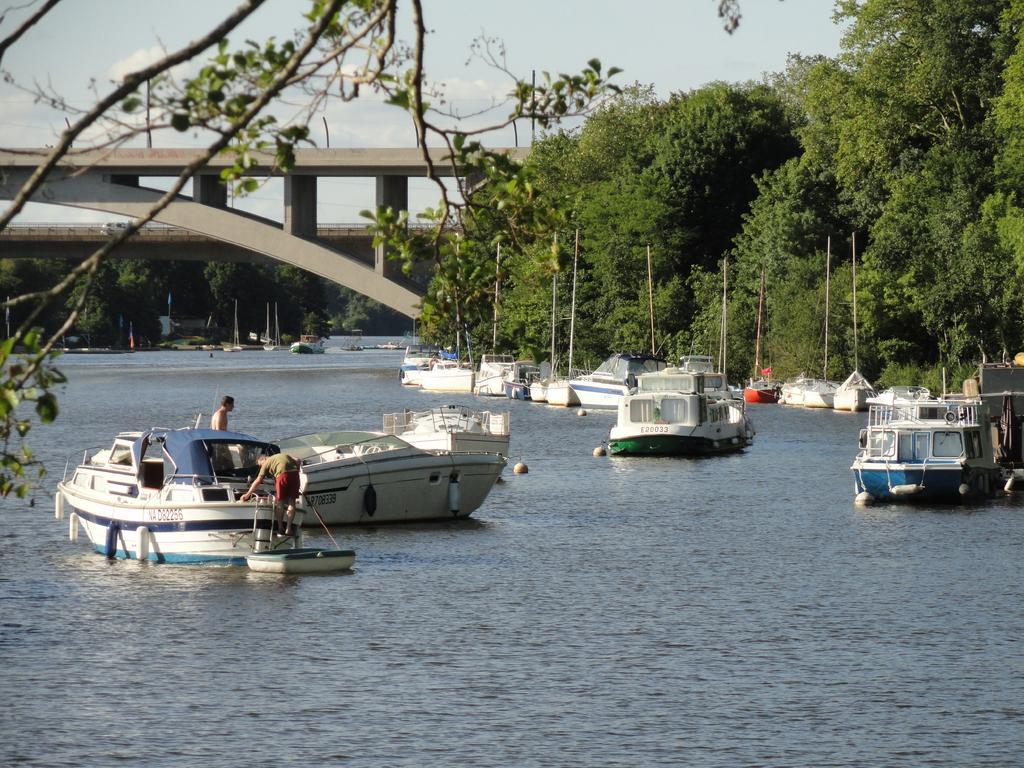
{"type": "Point", "coordinates": [761, 391]}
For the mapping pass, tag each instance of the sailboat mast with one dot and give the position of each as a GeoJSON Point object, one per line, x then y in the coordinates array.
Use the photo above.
{"type": "Point", "coordinates": [760, 314]}
{"type": "Point", "coordinates": [856, 361]}
{"type": "Point", "coordinates": [723, 328]}
{"type": "Point", "coordinates": [650, 296]}
{"type": "Point", "coordinates": [572, 313]}
{"type": "Point", "coordinates": [828, 267]}
{"type": "Point", "coordinates": [497, 287]}
{"type": "Point", "coordinates": [554, 305]}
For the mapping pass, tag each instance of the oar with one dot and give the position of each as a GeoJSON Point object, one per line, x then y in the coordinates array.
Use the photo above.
{"type": "Point", "coordinates": [320, 518]}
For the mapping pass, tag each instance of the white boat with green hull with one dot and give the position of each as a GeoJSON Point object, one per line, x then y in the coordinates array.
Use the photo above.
{"type": "Point", "coordinates": [669, 414]}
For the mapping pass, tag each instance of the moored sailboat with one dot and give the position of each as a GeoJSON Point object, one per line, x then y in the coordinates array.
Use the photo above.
{"type": "Point", "coordinates": [760, 388]}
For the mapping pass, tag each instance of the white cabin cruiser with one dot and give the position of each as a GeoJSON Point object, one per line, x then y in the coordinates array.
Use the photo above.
{"type": "Point", "coordinates": [451, 428]}
{"type": "Point", "coordinates": [369, 477]}
{"type": "Point", "coordinates": [447, 376]}
{"type": "Point", "coordinates": [670, 414]}
{"type": "Point", "coordinates": [612, 380]}
{"type": "Point", "coordinates": [417, 359]}
{"type": "Point", "coordinates": [171, 495]}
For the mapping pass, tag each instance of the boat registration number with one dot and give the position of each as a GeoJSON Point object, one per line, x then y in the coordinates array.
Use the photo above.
{"type": "Point", "coordinates": [653, 429]}
{"type": "Point", "coordinates": [319, 499]}
{"type": "Point", "coordinates": [164, 514]}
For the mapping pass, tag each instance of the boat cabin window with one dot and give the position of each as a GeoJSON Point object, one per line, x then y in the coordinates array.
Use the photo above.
{"type": "Point", "coordinates": [914, 446]}
{"type": "Point", "coordinates": [673, 410]}
{"type": "Point", "coordinates": [947, 445]}
{"type": "Point", "coordinates": [882, 443]}
{"type": "Point", "coordinates": [643, 410]}
{"type": "Point", "coordinates": [713, 382]}
{"type": "Point", "coordinates": [683, 382]}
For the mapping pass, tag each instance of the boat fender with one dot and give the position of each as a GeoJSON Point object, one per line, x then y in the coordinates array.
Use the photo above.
{"type": "Point", "coordinates": [863, 498]}
{"type": "Point", "coordinates": [110, 545]}
{"type": "Point", "coordinates": [1009, 484]}
{"type": "Point", "coordinates": [370, 500]}
{"type": "Point", "coordinates": [454, 500]}
{"type": "Point", "coordinates": [73, 526]}
{"type": "Point", "coordinates": [964, 489]}
{"type": "Point", "coordinates": [906, 489]}
{"type": "Point", "coordinates": [142, 547]}
{"type": "Point", "coordinates": [58, 506]}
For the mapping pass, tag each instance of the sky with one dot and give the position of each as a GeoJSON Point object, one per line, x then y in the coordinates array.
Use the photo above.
{"type": "Point", "coordinates": [673, 45]}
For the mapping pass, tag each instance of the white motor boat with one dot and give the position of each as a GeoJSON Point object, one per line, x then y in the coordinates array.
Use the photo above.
{"type": "Point", "coordinates": [369, 477]}
{"type": "Point", "coordinates": [451, 428]}
{"type": "Point", "coordinates": [490, 378]}
{"type": "Point", "coordinates": [447, 376]}
{"type": "Point", "coordinates": [172, 496]}
{"type": "Point", "coordinates": [854, 393]}
{"type": "Point", "coordinates": [922, 448]}
{"type": "Point", "coordinates": [418, 358]}
{"type": "Point", "coordinates": [612, 380]}
{"type": "Point", "coordinates": [670, 414]}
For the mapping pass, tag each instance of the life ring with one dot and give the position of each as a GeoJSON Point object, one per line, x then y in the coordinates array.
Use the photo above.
{"type": "Point", "coordinates": [951, 417]}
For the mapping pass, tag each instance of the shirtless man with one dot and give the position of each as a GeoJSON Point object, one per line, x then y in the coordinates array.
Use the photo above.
{"type": "Point", "coordinates": [219, 420]}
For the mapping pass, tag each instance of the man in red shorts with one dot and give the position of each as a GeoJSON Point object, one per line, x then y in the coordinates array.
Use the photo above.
{"type": "Point", "coordinates": [285, 471]}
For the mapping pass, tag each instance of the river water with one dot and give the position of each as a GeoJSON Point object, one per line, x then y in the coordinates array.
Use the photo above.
{"type": "Point", "coordinates": [730, 611]}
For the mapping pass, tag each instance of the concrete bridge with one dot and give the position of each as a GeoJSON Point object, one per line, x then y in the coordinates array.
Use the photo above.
{"type": "Point", "coordinates": [109, 181]}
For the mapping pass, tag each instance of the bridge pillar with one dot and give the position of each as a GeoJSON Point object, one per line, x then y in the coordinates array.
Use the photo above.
{"type": "Point", "coordinates": [300, 205]}
{"type": "Point", "coordinates": [392, 191]}
{"type": "Point", "coordinates": [209, 190]}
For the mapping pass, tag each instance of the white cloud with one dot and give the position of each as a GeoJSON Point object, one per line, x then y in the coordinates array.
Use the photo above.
{"type": "Point", "coordinates": [142, 57]}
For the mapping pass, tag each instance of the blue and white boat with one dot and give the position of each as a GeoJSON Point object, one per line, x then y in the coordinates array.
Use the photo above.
{"type": "Point", "coordinates": [171, 495]}
{"type": "Point", "coordinates": [612, 380]}
{"type": "Point", "coordinates": [917, 447]}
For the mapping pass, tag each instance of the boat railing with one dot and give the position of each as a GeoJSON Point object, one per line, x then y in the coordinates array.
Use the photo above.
{"type": "Point", "coordinates": [924, 412]}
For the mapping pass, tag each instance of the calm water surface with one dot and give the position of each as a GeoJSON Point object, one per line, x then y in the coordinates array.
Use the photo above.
{"type": "Point", "coordinates": [595, 612]}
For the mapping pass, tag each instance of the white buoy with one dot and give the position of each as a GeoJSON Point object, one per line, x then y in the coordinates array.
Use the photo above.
{"type": "Point", "coordinates": [964, 489]}
{"type": "Point", "coordinates": [1009, 484]}
{"type": "Point", "coordinates": [73, 526]}
{"type": "Point", "coordinates": [58, 506]}
{"type": "Point", "coordinates": [600, 451]}
{"type": "Point", "coordinates": [142, 545]}
{"type": "Point", "coordinates": [863, 499]}
{"type": "Point", "coordinates": [581, 412]}
{"type": "Point", "coordinates": [520, 468]}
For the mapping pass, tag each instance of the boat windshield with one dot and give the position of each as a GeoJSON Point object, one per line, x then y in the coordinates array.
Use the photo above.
{"type": "Point", "coordinates": [234, 459]}
{"type": "Point", "coordinates": [678, 382]}
{"type": "Point", "coordinates": [344, 443]}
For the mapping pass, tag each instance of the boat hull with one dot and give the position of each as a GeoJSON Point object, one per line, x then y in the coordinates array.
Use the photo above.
{"type": "Point", "coordinates": [222, 533]}
{"type": "Point", "coordinates": [596, 395]}
{"type": "Point", "coordinates": [756, 395]}
{"type": "Point", "coordinates": [539, 392]}
{"type": "Point", "coordinates": [403, 488]}
{"type": "Point", "coordinates": [448, 380]}
{"type": "Point", "coordinates": [912, 482]}
{"type": "Point", "coordinates": [851, 400]}
{"type": "Point", "coordinates": [302, 561]}
{"type": "Point", "coordinates": [674, 445]}
{"type": "Point", "coordinates": [562, 394]}
{"type": "Point", "coordinates": [515, 390]}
